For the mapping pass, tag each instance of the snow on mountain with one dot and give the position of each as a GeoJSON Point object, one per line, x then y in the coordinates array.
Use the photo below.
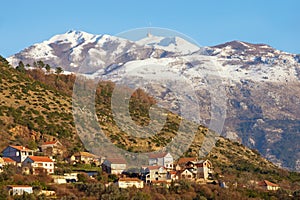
{"type": "Point", "coordinates": [173, 44]}
{"type": "Point", "coordinates": [101, 54]}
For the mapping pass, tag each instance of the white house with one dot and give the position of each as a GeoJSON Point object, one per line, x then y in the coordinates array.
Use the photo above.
{"type": "Point", "coordinates": [203, 168]}
{"type": "Point", "coordinates": [130, 182]}
{"type": "Point", "coordinates": [38, 164]}
{"type": "Point", "coordinates": [17, 153]}
{"type": "Point", "coordinates": [154, 173]}
{"type": "Point", "coordinates": [19, 189]}
{"type": "Point", "coordinates": [114, 165]}
{"type": "Point", "coordinates": [187, 174]}
{"type": "Point", "coordinates": [161, 159]}
{"type": "Point", "coordinates": [84, 157]}
{"type": "Point", "coordinates": [52, 148]}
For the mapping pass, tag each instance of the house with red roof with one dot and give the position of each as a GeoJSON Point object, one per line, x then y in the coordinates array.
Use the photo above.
{"type": "Point", "coordinates": [161, 159]}
{"type": "Point", "coordinates": [181, 163]}
{"type": "Point", "coordinates": [51, 148]}
{"type": "Point", "coordinates": [268, 185]}
{"type": "Point", "coordinates": [17, 153]}
{"type": "Point", "coordinates": [9, 161]}
{"type": "Point", "coordinates": [114, 165]}
{"type": "Point", "coordinates": [38, 164]}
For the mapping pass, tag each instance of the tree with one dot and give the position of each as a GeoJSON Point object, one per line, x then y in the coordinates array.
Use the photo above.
{"type": "Point", "coordinates": [3, 60]}
{"type": "Point", "coordinates": [40, 64]}
{"type": "Point", "coordinates": [59, 70]}
{"type": "Point", "coordinates": [21, 67]}
{"type": "Point", "coordinates": [48, 68]}
{"type": "Point", "coordinates": [34, 64]}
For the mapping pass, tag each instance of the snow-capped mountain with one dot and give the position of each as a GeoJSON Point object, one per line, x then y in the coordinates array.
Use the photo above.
{"type": "Point", "coordinates": [102, 53]}
{"type": "Point", "coordinates": [261, 83]}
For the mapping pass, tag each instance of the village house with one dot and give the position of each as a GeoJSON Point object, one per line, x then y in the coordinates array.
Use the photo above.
{"type": "Point", "coordinates": [38, 164]}
{"type": "Point", "coordinates": [187, 174]}
{"type": "Point", "coordinates": [161, 159]}
{"type": "Point", "coordinates": [114, 165]}
{"type": "Point", "coordinates": [19, 189]}
{"type": "Point", "coordinates": [17, 153]}
{"type": "Point", "coordinates": [154, 173]}
{"type": "Point", "coordinates": [180, 164]}
{"type": "Point", "coordinates": [130, 182]}
{"type": "Point", "coordinates": [84, 157]}
{"type": "Point", "coordinates": [203, 169]}
{"type": "Point", "coordinates": [9, 161]}
{"type": "Point", "coordinates": [52, 148]}
{"type": "Point", "coordinates": [268, 185]}
{"type": "Point", "coordinates": [172, 175]}
{"type": "Point", "coordinates": [2, 163]}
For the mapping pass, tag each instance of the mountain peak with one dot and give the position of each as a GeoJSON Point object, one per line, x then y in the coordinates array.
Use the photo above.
{"type": "Point", "coordinates": [240, 45]}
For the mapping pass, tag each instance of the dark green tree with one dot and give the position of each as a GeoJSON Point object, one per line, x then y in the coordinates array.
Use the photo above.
{"type": "Point", "coordinates": [48, 68]}
{"type": "Point", "coordinates": [21, 67]}
{"type": "Point", "coordinates": [40, 64]}
{"type": "Point", "coordinates": [59, 70]}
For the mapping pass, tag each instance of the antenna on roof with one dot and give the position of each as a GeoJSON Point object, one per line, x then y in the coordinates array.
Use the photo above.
{"type": "Point", "coordinates": [149, 31]}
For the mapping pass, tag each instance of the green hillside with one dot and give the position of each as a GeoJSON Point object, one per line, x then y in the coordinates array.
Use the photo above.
{"type": "Point", "coordinates": [36, 107]}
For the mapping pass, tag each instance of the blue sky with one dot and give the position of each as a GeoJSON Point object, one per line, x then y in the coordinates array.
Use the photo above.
{"type": "Point", "coordinates": [23, 23]}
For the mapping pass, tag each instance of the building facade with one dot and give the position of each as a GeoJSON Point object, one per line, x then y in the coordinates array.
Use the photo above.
{"type": "Point", "coordinates": [17, 153]}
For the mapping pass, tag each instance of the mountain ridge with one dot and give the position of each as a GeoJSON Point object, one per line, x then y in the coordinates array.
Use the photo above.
{"type": "Point", "coordinates": [261, 84]}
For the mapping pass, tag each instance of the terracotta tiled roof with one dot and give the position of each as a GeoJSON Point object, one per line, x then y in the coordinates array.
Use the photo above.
{"type": "Point", "coordinates": [49, 143]}
{"type": "Point", "coordinates": [267, 183]}
{"type": "Point", "coordinates": [184, 160]}
{"type": "Point", "coordinates": [157, 155]}
{"type": "Point", "coordinates": [20, 148]}
{"type": "Point", "coordinates": [40, 158]}
{"type": "Point", "coordinates": [117, 160]}
{"type": "Point", "coordinates": [19, 186]}
{"type": "Point", "coordinates": [154, 167]}
{"type": "Point", "coordinates": [8, 160]}
{"type": "Point", "coordinates": [130, 179]}
{"type": "Point", "coordinates": [173, 172]}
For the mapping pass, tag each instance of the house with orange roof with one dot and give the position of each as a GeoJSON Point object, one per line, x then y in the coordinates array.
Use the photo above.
{"type": "Point", "coordinates": [9, 161]}
{"type": "Point", "coordinates": [38, 164]}
{"type": "Point", "coordinates": [161, 159]}
{"type": "Point", "coordinates": [17, 153]}
{"type": "Point", "coordinates": [181, 162]}
{"type": "Point", "coordinates": [130, 182]}
{"type": "Point", "coordinates": [114, 165]}
{"type": "Point", "coordinates": [51, 148]}
{"type": "Point", "coordinates": [268, 185]}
